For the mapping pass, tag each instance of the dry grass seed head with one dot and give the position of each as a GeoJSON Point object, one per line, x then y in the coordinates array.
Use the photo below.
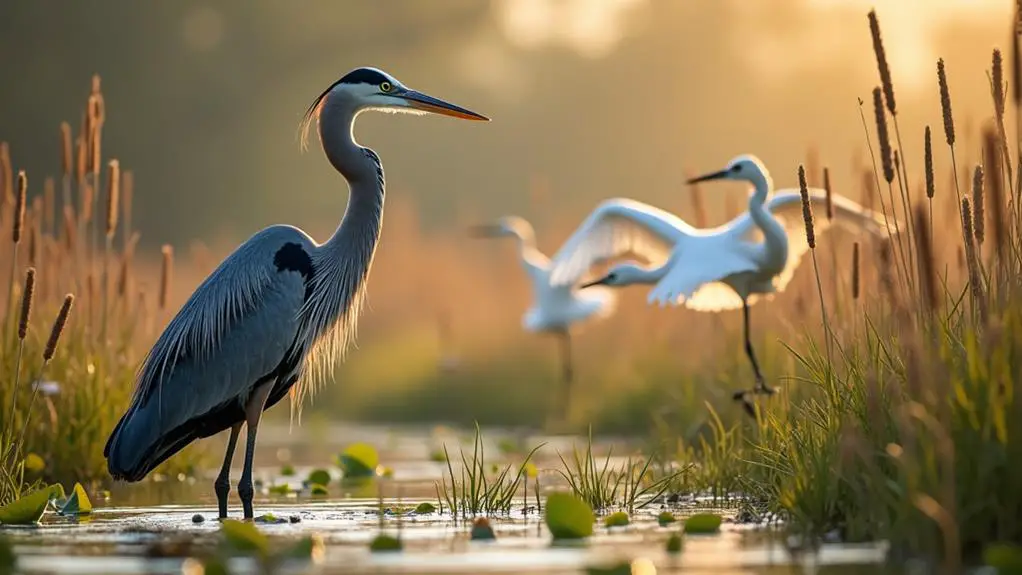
{"type": "Point", "coordinates": [807, 208]}
{"type": "Point", "coordinates": [945, 103]}
{"type": "Point", "coordinates": [997, 83]}
{"type": "Point", "coordinates": [855, 271]}
{"type": "Point", "coordinates": [927, 265]}
{"type": "Point", "coordinates": [978, 205]}
{"type": "Point", "coordinates": [995, 184]}
{"type": "Point", "coordinates": [827, 190]}
{"type": "Point", "coordinates": [26, 303]}
{"type": "Point", "coordinates": [113, 188]}
{"type": "Point", "coordinates": [58, 327]}
{"type": "Point", "coordinates": [19, 207]}
{"type": "Point", "coordinates": [883, 138]}
{"type": "Point", "coordinates": [882, 67]}
{"type": "Point", "coordinates": [928, 158]}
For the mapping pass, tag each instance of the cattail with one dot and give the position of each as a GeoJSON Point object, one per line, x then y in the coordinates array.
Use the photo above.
{"type": "Point", "coordinates": [975, 279]}
{"type": "Point", "coordinates": [168, 262]}
{"type": "Point", "coordinates": [95, 134]}
{"type": "Point", "coordinates": [70, 229]}
{"type": "Point", "coordinates": [945, 103]}
{"type": "Point", "coordinates": [997, 83]}
{"type": "Point", "coordinates": [49, 203]}
{"type": "Point", "coordinates": [113, 187]}
{"type": "Point", "coordinates": [978, 211]}
{"type": "Point", "coordinates": [19, 207]}
{"type": "Point", "coordinates": [928, 157]}
{"type": "Point", "coordinates": [927, 266]}
{"type": "Point", "coordinates": [807, 208]}
{"type": "Point", "coordinates": [127, 196]}
{"type": "Point", "coordinates": [58, 328]}
{"type": "Point", "coordinates": [81, 159]}
{"type": "Point", "coordinates": [65, 149]}
{"type": "Point", "coordinates": [826, 188]}
{"type": "Point", "coordinates": [882, 137]}
{"type": "Point", "coordinates": [855, 270]}
{"type": "Point", "coordinates": [991, 157]}
{"type": "Point", "coordinates": [122, 277]}
{"type": "Point", "coordinates": [885, 71]}
{"type": "Point", "coordinates": [87, 201]}
{"type": "Point", "coordinates": [6, 174]}
{"type": "Point", "coordinates": [26, 303]}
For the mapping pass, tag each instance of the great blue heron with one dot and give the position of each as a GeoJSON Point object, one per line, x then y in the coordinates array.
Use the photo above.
{"type": "Point", "coordinates": [555, 308]}
{"type": "Point", "coordinates": [722, 268]}
{"type": "Point", "coordinates": [275, 315]}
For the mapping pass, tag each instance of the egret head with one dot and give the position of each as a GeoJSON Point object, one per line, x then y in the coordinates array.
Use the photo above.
{"type": "Point", "coordinates": [746, 167]}
{"type": "Point", "coordinates": [373, 89]}
{"type": "Point", "coordinates": [620, 275]}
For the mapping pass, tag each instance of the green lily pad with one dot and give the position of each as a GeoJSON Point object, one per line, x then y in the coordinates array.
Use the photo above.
{"type": "Point", "coordinates": [383, 542]}
{"type": "Point", "coordinates": [317, 490]}
{"type": "Point", "coordinates": [567, 516]}
{"type": "Point", "coordinates": [619, 519]}
{"type": "Point", "coordinates": [244, 537]}
{"type": "Point", "coordinates": [30, 508]}
{"type": "Point", "coordinates": [359, 460]}
{"type": "Point", "coordinates": [281, 489]}
{"type": "Point", "coordinates": [1005, 557]}
{"type": "Point", "coordinates": [34, 463]}
{"type": "Point", "coordinates": [665, 518]}
{"type": "Point", "coordinates": [438, 456]}
{"type": "Point", "coordinates": [482, 531]}
{"type": "Point", "coordinates": [703, 523]}
{"type": "Point", "coordinates": [425, 508]}
{"type": "Point", "coordinates": [287, 470]}
{"type": "Point", "coordinates": [675, 543]}
{"type": "Point", "coordinates": [319, 477]}
{"type": "Point", "coordinates": [270, 519]}
{"type": "Point", "coordinates": [78, 503]}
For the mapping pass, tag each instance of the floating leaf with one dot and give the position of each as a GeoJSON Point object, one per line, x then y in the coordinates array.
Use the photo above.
{"type": "Point", "coordinates": [482, 531]}
{"type": "Point", "coordinates": [665, 518]}
{"type": "Point", "coordinates": [675, 543]}
{"type": "Point", "coordinates": [703, 523]}
{"type": "Point", "coordinates": [244, 537]}
{"type": "Point", "coordinates": [438, 456]}
{"type": "Point", "coordinates": [78, 503]}
{"type": "Point", "coordinates": [270, 519]}
{"type": "Point", "coordinates": [383, 542]}
{"type": "Point", "coordinates": [287, 470]}
{"type": "Point", "coordinates": [425, 508]}
{"type": "Point", "coordinates": [619, 519]}
{"type": "Point", "coordinates": [318, 490]}
{"type": "Point", "coordinates": [30, 508]}
{"type": "Point", "coordinates": [567, 516]}
{"type": "Point", "coordinates": [319, 476]}
{"type": "Point", "coordinates": [359, 460]}
{"type": "Point", "coordinates": [1005, 557]}
{"type": "Point", "coordinates": [282, 489]}
{"type": "Point", "coordinates": [34, 463]}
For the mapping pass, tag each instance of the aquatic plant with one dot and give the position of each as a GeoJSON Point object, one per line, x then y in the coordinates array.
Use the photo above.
{"type": "Point", "coordinates": [568, 516]}
{"type": "Point", "coordinates": [358, 460]}
{"type": "Point", "coordinates": [702, 523]}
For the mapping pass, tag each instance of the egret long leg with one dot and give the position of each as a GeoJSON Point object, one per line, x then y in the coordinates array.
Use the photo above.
{"type": "Point", "coordinates": [568, 373]}
{"type": "Point", "coordinates": [253, 411]}
{"type": "Point", "coordinates": [761, 387]}
{"type": "Point", "coordinates": [222, 485]}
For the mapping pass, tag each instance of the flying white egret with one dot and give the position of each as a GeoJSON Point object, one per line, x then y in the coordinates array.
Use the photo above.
{"type": "Point", "coordinates": [555, 308]}
{"type": "Point", "coordinates": [275, 315]}
{"type": "Point", "coordinates": [715, 269]}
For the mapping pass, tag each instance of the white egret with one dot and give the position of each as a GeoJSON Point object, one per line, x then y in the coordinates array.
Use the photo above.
{"type": "Point", "coordinates": [555, 308]}
{"type": "Point", "coordinates": [722, 268]}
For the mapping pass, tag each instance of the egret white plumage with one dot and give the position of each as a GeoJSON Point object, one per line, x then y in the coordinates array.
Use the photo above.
{"type": "Point", "coordinates": [727, 267]}
{"type": "Point", "coordinates": [555, 308]}
{"type": "Point", "coordinates": [274, 317]}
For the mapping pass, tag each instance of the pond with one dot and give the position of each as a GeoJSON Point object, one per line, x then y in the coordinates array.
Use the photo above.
{"type": "Point", "coordinates": [152, 527]}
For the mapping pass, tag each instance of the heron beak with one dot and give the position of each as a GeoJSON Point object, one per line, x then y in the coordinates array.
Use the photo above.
{"type": "Point", "coordinates": [711, 176]}
{"type": "Point", "coordinates": [421, 101]}
{"type": "Point", "coordinates": [598, 282]}
{"type": "Point", "coordinates": [483, 231]}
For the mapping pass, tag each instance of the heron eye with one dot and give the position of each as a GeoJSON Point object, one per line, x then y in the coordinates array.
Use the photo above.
{"type": "Point", "coordinates": [386, 87]}
{"type": "Point", "coordinates": [736, 168]}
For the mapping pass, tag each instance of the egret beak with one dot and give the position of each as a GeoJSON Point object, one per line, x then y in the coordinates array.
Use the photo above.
{"type": "Point", "coordinates": [484, 230]}
{"type": "Point", "coordinates": [421, 101]}
{"type": "Point", "coordinates": [598, 282]}
{"type": "Point", "coordinates": [711, 176]}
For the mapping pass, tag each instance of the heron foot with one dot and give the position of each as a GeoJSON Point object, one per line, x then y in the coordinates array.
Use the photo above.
{"type": "Point", "coordinates": [222, 487]}
{"type": "Point", "coordinates": [246, 492]}
{"type": "Point", "coordinates": [761, 388]}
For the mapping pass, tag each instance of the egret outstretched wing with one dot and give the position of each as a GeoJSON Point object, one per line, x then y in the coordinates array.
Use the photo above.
{"type": "Point", "coordinates": [693, 270]}
{"type": "Point", "coordinates": [617, 227]}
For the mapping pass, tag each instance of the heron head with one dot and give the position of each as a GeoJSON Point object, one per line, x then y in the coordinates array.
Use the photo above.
{"type": "Point", "coordinates": [620, 275]}
{"type": "Point", "coordinates": [374, 89]}
{"type": "Point", "coordinates": [746, 167]}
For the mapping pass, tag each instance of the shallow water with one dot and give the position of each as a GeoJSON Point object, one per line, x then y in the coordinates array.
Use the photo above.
{"type": "Point", "coordinates": [149, 528]}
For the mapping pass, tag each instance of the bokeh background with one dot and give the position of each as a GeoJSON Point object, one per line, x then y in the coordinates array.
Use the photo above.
{"type": "Point", "coordinates": [589, 99]}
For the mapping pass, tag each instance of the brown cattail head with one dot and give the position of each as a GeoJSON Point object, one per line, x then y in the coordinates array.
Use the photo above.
{"type": "Point", "coordinates": [855, 271]}
{"type": "Point", "coordinates": [168, 263]}
{"type": "Point", "coordinates": [885, 71]}
{"type": "Point", "coordinates": [928, 157]}
{"type": "Point", "coordinates": [6, 174]}
{"type": "Point", "coordinates": [58, 327]}
{"type": "Point", "coordinates": [113, 188]}
{"type": "Point", "coordinates": [927, 266]}
{"type": "Point", "coordinates": [967, 224]}
{"type": "Point", "coordinates": [88, 199]}
{"type": "Point", "coordinates": [26, 303]}
{"type": "Point", "coordinates": [997, 83]}
{"type": "Point", "coordinates": [826, 188]}
{"type": "Point", "coordinates": [81, 158]}
{"type": "Point", "coordinates": [882, 137]}
{"type": "Point", "coordinates": [978, 205]}
{"type": "Point", "coordinates": [995, 185]}
{"type": "Point", "coordinates": [49, 203]}
{"type": "Point", "coordinates": [19, 206]}
{"type": "Point", "coordinates": [945, 103]}
{"type": "Point", "coordinates": [65, 149]}
{"type": "Point", "coordinates": [807, 207]}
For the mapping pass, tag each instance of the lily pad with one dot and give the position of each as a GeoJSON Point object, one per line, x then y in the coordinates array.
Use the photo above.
{"type": "Point", "coordinates": [619, 519]}
{"type": "Point", "coordinates": [438, 456]}
{"type": "Point", "coordinates": [567, 516]}
{"type": "Point", "coordinates": [675, 543]}
{"type": "Point", "coordinates": [319, 477]}
{"type": "Point", "coordinates": [482, 531]}
{"type": "Point", "coordinates": [244, 537]}
{"type": "Point", "coordinates": [1005, 557]}
{"type": "Point", "coordinates": [665, 518]}
{"type": "Point", "coordinates": [317, 490]}
{"type": "Point", "coordinates": [703, 523]}
{"type": "Point", "coordinates": [359, 460]}
{"type": "Point", "coordinates": [270, 519]}
{"type": "Point", "coordinates": [34, 463]}
{"type": "Point", "coordinates": [287, 470]}
{"type": "Point", "coordinates": [78, 503]}
{"type": "Point", "coordinates": [425, 508]}
{"type": "Point", "coordinates": [383, 542]}
{"type": "Point", "coordinates": [281, 489]}
{"type": "Point", "coordinates": [30, 508]}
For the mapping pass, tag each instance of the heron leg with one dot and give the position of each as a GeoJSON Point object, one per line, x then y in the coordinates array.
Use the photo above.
{"type": "Point", "coordinates": [761, 386]}
{"type": "Point", "coordinates": [222, 485]}
{"type": "Point", "coordinates": [253, 411]}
